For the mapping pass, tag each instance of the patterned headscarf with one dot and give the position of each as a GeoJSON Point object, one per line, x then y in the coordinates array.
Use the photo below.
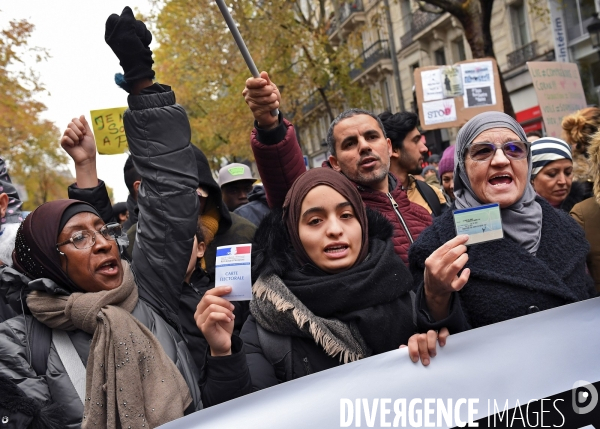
{"type": "Point", "coordinates": [546, 150]}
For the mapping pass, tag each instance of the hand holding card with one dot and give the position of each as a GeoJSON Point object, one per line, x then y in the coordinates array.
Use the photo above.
{"type": "Point", "coordinates": [233, 268]}
{"type": "Point", "coordinates": [441, 275]}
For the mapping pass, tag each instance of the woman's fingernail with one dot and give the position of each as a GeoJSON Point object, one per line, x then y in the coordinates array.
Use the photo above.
{"type": "Point", "coordinates": [425, 362]}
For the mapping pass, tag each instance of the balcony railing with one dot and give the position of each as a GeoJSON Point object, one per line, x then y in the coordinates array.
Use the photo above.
{"type": "Point", "coordinates": [522, 55]}
{"type": "Point", "coordinates": [346, 10]}
{"type": "Point", "coordinates": [418, 21]}
{"type": "Point", "coordinates": [376, 52]}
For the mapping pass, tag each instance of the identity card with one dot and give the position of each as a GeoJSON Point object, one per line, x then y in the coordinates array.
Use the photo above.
{"type": "Point", "coordinates": [481, 223]}
{"type": "Point", "coordinates": [233, 269]}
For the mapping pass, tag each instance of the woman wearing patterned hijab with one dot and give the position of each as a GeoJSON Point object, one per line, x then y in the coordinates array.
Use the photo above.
{"type": "Point", "coordinates": [552, 174]}
{"type": "Point", "coordinates": [540, 262]}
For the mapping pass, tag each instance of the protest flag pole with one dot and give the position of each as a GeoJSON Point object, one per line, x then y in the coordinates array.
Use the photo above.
{"type": "Point", "coordinates": [240, 43]}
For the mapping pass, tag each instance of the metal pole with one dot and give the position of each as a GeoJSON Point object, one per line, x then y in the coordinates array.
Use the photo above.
{"type": "Point", "coordinates": [240, 43]}
{"type": "Point", "coordinates": [394, 58]}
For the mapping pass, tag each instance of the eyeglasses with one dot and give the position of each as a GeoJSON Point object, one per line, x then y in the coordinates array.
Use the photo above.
{"type": "Point", "coordinates": [485, 151]}
{"type": "Point", "coordinates": [86, 238]}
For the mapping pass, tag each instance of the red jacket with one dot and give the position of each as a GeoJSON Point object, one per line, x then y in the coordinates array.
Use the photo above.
{"type": "Point", "coordinates": [280, 163]}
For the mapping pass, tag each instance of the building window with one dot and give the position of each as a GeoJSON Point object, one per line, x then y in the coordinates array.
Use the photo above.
{"type": "Point", "coordinates": [518, 19]}
{"type": "Point", "coordinates": [577, 17]}
{"type": "Point", "coordinates": [440, 57]}
{"type": "Point", "coordinates": [385, 89]}
{"type": "Point", "coordinates": [458, 47]}
{"type": "Point", "coordinates": [406, 15]}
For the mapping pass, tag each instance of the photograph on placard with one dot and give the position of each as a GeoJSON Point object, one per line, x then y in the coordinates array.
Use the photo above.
{"type": "Point", "coordinates": [452, 81]}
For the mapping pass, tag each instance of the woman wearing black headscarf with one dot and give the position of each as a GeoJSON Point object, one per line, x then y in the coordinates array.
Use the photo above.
{"type": "Point", "coordinates": [330, 290]}
{"type": "Point", "coordinates": [538, 265]}
{"type": "Point", "coordinates": [68, 263]}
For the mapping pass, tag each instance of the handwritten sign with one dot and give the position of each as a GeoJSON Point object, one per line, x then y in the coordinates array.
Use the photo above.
{"type": "Point", "coordinates": [109, 130]}
{"type": "Point", "coordinates": [559, 92]}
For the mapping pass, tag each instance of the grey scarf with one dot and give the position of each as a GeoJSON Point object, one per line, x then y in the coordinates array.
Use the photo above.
{"type": "Point", "coordinates": [522, 221]}
{"type": "Point", "coordinates": [278, 310]}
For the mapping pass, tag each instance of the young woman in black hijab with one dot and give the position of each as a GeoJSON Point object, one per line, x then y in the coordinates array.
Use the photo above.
{"type": "Point", "coordinates": [329, 290]}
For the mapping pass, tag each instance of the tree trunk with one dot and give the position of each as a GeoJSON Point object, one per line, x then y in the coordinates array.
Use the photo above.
{"type": "Point", "coordinates": [327, 105]}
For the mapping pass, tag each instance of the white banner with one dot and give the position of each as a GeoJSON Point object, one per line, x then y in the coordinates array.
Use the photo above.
{"type": "Point", "coordinates": [480, 371]}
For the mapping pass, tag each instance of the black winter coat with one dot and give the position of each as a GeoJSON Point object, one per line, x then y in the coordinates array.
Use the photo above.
{"type": "Point", "coordinates": [267, 359]}
{"type": "Point", "coordinates": [506, 281]}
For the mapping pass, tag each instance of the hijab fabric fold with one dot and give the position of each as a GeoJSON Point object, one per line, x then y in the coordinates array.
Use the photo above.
{"type": "Point", "coordinates": [292, 207]}
{"type": "Point", "coordinates": [128, 374]}
{"type": "Point", "coordinates": [522, 221]}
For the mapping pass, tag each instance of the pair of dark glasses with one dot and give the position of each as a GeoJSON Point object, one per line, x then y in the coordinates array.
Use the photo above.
{"type": "Point", "coordinates": [484, 151]}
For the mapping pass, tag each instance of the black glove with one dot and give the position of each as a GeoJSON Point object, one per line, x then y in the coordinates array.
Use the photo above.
{"type": "Point", "coordinates": [130, 40]}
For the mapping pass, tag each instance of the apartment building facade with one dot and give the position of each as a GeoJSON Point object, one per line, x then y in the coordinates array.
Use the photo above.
{"type": "Point", "coordinates": [397, 30]}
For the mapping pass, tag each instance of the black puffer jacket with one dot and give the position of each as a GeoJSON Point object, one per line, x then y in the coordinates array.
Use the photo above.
{"type": "Point", "coordinates": [506, 281]}
{"type": "Point", "coordinates": [158, 133]}
{"type": "Point", "coordinates": [271, 358]}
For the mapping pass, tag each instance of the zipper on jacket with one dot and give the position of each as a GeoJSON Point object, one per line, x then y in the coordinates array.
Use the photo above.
{"type": "Point", "coordinates": [395, 205]}
{"type": "Point", "coordinates": [306, 366]}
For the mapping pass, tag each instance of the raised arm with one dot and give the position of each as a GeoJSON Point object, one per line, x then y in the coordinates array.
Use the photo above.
{"type": "Point", "coordinates": [274, 144]}
{"type": "Point", "coordinates": [158, 133]}
{"type": "Point", "coordinates": [78, 141]}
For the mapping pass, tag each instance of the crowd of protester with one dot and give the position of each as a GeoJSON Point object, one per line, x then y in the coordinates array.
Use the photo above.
{"type": "Point", "coordinates": [107, 310]}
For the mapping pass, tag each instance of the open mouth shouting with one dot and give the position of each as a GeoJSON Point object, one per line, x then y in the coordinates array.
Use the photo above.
{"type": "Point", "coordinates": [109, 267]}
{"type": "Point", "coordinates": [500, 179]}
{"type": "Point", "coordinates": [337, 250]}
{"type": "Point", "coordinates": [368, 162]}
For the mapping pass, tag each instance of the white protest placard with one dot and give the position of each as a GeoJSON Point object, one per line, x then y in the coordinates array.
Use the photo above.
{"type": "Point", "coordinates": [514, 363]}
{"type": "Point", "coordinates": [436, 112]}
{"type": "Point", "coordinates": [559, 92]}
{"type": "Point", "coordinates": [478, 83]}
{"type": "Point", "coordinates": [233, 268]}
{"type": "Point", "coordinates": [432, 84]}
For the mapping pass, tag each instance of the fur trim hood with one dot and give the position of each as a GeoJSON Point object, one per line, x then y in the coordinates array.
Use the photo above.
{"type": "Point", "coordinates": [272, 251]}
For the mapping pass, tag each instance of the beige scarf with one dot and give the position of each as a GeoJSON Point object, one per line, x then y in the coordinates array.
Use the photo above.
{"type": "Point", "coordinates": [130, 381]}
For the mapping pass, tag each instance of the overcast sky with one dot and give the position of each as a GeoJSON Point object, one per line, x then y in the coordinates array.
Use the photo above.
{"type": "Point", "coordinates": [80, 73]}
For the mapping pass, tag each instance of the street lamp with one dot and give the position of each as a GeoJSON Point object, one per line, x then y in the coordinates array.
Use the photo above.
{"type": "Point", "coordinates": [594, 31]}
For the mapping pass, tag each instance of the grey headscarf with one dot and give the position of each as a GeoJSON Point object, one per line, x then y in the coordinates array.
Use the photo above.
{"type": "Point", "coordinates": [522, 221]}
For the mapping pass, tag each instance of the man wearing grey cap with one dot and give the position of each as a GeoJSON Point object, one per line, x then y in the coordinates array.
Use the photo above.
{"type": "Point", "coordinates": [236, 182]}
